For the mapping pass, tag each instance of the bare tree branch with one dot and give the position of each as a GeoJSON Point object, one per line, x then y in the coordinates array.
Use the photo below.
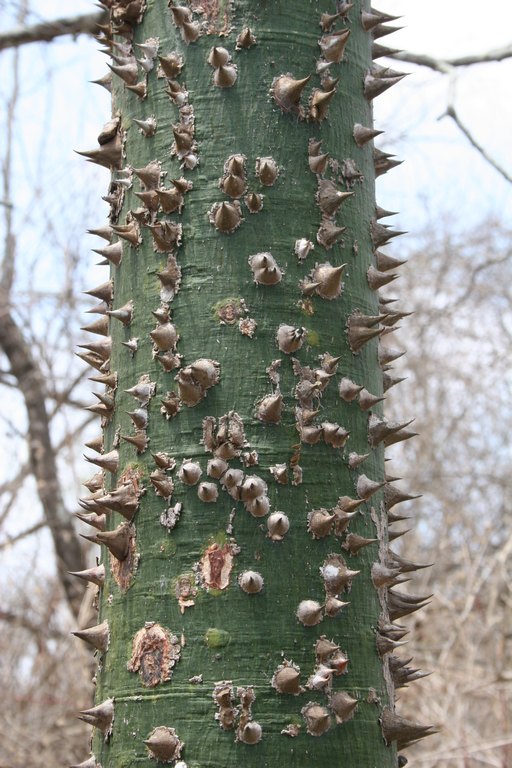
{"type": "Point", "coordinates": [450, 112]}
{"type": "Point", "coordinates": [487, 264]}
{"type": "Point", "coordinates": [11, 485]}
{"type": "Point", "coordinates": [444, 65]}
{"type": "Point", "coordinates": [42, 456]}
{"type": "Point", "coordinates": [462, 752]}
{"type": "Point", "coordinates": [7, 275]}
{"type": "Point", "coordinates": [10, 540]}
{"type": "Point", "coordinates": [37, 628]}
{"type": "Point", "coordinates": [46, 31]}
{"type": "Point", "coordinates": [448, 67]}
{"type": "Point", "coordinates": [28, 374]}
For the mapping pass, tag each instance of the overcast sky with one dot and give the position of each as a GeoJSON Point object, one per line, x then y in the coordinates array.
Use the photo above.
{"type": "Point", "coordinates": [442, 174]}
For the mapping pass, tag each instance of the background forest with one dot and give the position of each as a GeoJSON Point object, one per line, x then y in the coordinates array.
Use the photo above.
{"type": "Point", "coordinates": [451, 121]}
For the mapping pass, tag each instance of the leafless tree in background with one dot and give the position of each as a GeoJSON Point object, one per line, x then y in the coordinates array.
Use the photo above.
{"type": "Point", "coordinates": [458, 371]}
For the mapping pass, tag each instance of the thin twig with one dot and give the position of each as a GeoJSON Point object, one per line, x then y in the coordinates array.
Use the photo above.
{"type": "Point", "coordinates": [457, 752]}
{"type": "Point", "coordinates": [450, 112]}
{"type": "Point", "coordinates": [442, 65]}
{"type": "Point", "coordinates": [43, 462]}
{"type": "Point", "coordinates": [448, 67]}
{"type": "Point", "coordinates": [473, 277]}
{"type": "Point", "coordinates": [10, 540]}
{"type": "Point", "coordinates": [7, 275]}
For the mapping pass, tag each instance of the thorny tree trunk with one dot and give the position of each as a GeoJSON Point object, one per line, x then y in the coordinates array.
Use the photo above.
{"type": "Point", "coordinates": [246, 612]}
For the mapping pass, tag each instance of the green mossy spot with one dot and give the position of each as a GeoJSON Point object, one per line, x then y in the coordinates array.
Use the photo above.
{"type": "Point", "coordinates": [125, 759]}
{"type": "Point", "coordinates": [168, 547]}
{"type": "Point", "coordinates": [229, 310]}
{"type": "Point", "coordinates": [217, 638]}
{"type": "Point", "coordinates": [313, 339]}
{"type": "Point", "coordinates": [189, 577]}
{"type": "Point", "coordinates": [184, 589]}
{"type": "Point", "coordinates": [219, 538]}
{"type": "Point", "coordinates": [295, 720]}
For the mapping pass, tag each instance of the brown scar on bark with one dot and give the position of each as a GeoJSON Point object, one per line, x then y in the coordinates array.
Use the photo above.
{"type": "Point", "coordinates": [297, 474]}
{"type": "Point", "coordinates": [247, 697]}
{"type": "Point", "coordinates": [209, 424]}
{"type": "Point", "coordinates": [295, 466]}
{"type": "Point", "coordinates": [123, 571]}
{"type": "Point", "coordinates": [185, 591]}
{"type": "Point", "coordinates": [170, 516]}
{"type": "Point", "coordinates": [134, 476]}
{"type": "Point", "coordinates": [170, 279]}
{"type": "Point", "coordinates": [117, 438]}
{"type": "Point", "coordinates": [155, 652]}
{"type": "Point", "coordinates": [295, 457]}
{"type": "Point", "coordinates": [216, 13]}
{"type": "Point", "coordinates": [216, 566]}
{"type": "Point", "coordinates": [378, 517]}
{"type": "Point", "coordinates": [292, 729]}
{"type": "Point", "coordinates": [223, 697]}
{"type": "Point", "coordinates": [306, 306]}
{"type": "Point", "coordinates": [226, 438]}
{"type": "Point", "coordinates": [273, 372]}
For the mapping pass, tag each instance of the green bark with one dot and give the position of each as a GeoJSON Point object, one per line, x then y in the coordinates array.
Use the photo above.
{"type": "Point", "coordinates": [229, 635]}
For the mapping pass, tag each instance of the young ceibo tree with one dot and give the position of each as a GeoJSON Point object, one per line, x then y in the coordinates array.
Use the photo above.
{"type": "Point", "coordinates": [248, 599]}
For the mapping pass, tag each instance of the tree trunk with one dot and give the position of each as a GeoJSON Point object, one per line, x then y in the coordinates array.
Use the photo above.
{"type": "Point", "coordinates": [244, 607]}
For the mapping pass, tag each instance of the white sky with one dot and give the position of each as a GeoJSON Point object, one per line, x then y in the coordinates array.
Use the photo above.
{"type": "Point", "coordinates": [442, 176]}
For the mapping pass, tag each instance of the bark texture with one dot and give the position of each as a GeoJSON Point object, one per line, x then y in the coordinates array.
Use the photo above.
{"type": "Point", "coordinates": [230, 635]}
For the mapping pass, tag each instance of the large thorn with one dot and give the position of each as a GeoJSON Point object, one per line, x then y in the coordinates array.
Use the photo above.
{"type": "Point", "coordinates": [97, 636]}
{"type": "Point", "coordinates": [108, 461]}
{"type": "Point", "coordinates": [101, 716]}
{"type": "Point", "coordinates": [94, 575]}
{"type": "Point", "coordinates": [401, 730]}
{"type": "Point", "coordinates": [401, 604]}
{"type": "Point", "coordinates": [108, 155]}
{"type": "Point", "coordinates": [372, 18]}
{"type": "Point", "coordinates": [374, 86]}
{"type": "Point", "coordinates": [393, 495]}
{"type": "Point", "coordinates": [381, 50]}
{"type": "Point", "coordinates": [406, 566]}
{"type": "Point", "coordinates": [380, 429]}
{"type": "Point", "coordinates": [97, 521]}
{"type": "Point", "coordinates": [116, 541]}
